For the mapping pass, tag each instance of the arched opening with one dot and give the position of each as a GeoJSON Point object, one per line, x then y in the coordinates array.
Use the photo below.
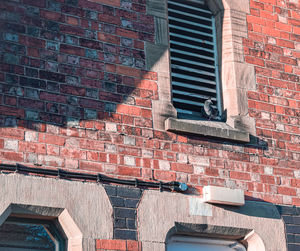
{"type": "Point", "coordinates": [177, 243]}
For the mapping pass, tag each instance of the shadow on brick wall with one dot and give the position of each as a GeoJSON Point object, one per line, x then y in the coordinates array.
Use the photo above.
{"type": "Point", "coordinates": [77, 64]}
{"type": "Point", "coordinates": [67, 64]}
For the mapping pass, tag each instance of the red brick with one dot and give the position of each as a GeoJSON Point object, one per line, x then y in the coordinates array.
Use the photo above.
{"type": "Point", "coordinates": [73, 50]}
{"type": "Point", "coordinates": [240, 175]}
{"type": "Point", "coordinates": [12, 111]}
{"type": "Point", "coordinates": [91, 144]}
{"type": "Point", "coordinates": [146, 113]}
{"type": "Point", "coordinates": [133, 245]}
{"type": "Point", "coordinates": [146, 84]}
{"type": "Point", "coordinates": [52, 15]}
{"type": "Point", "coordinates": [254, 60]}
{"type": "Point", "coordinates": [53, 97]}
{"type": "Point", "coordinates": [138, 44]}
{"type": "Point", "coordinates": [109, 19]}
{"type": "Point", "coordinates": [107, 2]}
{"type": "Point", "coordinates": [129, 171]}
{"type": "Point", "coordinates": [51, 139]}
{"type": "Point", "coordinates": [186, 168]}
{"type": "Point", "coordinates": [127, 33]}
{"type": "Point", "coordinates": [8, 100]}
{"type": "Point", "coordinates": [128, 71]}
{"type": "Point", "coordinates": [32, 42]}
{"type": "Point", "coordinates": [272, 198]}
{"type": "Point", "coordinates": [296, 201]}
{"type": "Point", "coordinates": [71, 30]}
{"type": "Point", "coordinates": [285, 43]}
{"type": "Point", "coordinates": [288, 60]}
{"type": "Point", "coordinates": [108, 38]}
{"type": "Point", "coordinates": [164, 175]}
{"type": "Point", "coordinates": [33, 147]}
{"type": "Point", "coordinates": [111, 244]}
{"type": "Point", "coordinates": [40, 3]}
{"type": "Point", "coordinates": [12, 156]}
{"type": "Point", "coordinates": [73, 153]}
{"type": "Point", "coordinates": [282, 26]}
{"type": "Point", "coordinates": [255, 20]}
{"type": "Point", "coordinates": [262, 106]}
{"type": "Point", "coordinates": [295, 183]}
{"type": "Point", "coordinates": [7, 132]}
{"type": "Point", "coordinates": [255, 12]}
{"type": "Point", "coordinates": [90, 166]}
{"type": "Point", "coordinates": [129, 110]}
{"type": "Point", "coordinates": [256, 4]}
{"type": "Point", "coordinates": [143, 102]}
{"type": "Point", "coordinates": [72, 21]}
{"type": "Point", "coordinates": [127, 14]}
{"type": "Point", "coordinates": [78, 91]}
{"type": "Point", "coordinates": [274, 65]}
{"type": "Point", "coordinates": [273, 2]}
{"type": "Point", "coordinates": [287, 191]}
{"type": "Point", "coordinates": [52, 150]}
{"type": "Point", "coordinates": [267, 179]}
{"type": "Point", "coordinates": [293, 147]}
{"type": "Point", "coordinates": [283, 172]}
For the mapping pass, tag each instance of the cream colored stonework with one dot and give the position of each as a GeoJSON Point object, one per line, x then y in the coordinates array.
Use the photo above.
{"type": "Point", "coordinates": [237, 77]}
{"type": "Point", "coordinates": [158, 212]}
{"type": "Point", "coordinates": [87, 215]}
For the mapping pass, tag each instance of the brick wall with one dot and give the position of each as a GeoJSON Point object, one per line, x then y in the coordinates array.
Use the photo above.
{"type": "Point", "coordinates": [291, 217]}
{"type": "Point", "coordinates": [75, 95]}
{"type": "Point", "coordinates": [273, 47]}
{"type": "Point", "coordinates": [124, 201]}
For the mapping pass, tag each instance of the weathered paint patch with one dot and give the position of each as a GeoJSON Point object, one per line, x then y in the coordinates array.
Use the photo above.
{"type": "Point", "coordinates": [198, 207]}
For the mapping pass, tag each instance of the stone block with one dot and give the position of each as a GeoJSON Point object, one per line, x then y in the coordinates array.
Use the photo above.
{"type": "Point", "coordinates": [156, 8]}
{"type": "Point", "coordinates": [207, 128]}
{"type": "Point", "coordinates": [223, 195]}
{"type": "Point", "coordinates": [11, 145]}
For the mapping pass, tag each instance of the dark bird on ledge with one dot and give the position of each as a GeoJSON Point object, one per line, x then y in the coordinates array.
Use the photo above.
{"type": "Point", "coordinates": [209, 111]}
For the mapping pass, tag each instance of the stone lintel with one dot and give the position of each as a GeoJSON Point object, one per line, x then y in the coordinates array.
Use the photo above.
{"type": "Point", "coordinates": [232, 233]}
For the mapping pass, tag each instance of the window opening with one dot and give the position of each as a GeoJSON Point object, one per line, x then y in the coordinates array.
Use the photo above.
{"type": "Point", "coordinates": [193, 57]}
{"type": "Point", "coordinates": [23, 234]}
{"type": "Point", "coordinates": [179, 243]}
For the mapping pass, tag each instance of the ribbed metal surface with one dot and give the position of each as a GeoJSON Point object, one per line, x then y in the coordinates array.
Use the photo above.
{"type": "Point", "coordinates": [193, 56]}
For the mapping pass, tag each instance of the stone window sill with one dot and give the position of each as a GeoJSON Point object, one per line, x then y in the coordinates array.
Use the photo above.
{"type": "Point", "coordinates": [207, 128]}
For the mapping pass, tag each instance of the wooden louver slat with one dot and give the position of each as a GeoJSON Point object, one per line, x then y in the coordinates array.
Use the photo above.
{"type": "Point", "coordinates": [193, 57]}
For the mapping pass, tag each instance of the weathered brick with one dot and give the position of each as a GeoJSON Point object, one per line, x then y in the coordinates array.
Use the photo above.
{"type": "Point", "coordinates": [117, 202]}
{"type": "Point", "coordinates": [125, 234]}
{"type": "Point", "coordinates": [52, 76]}
{"type": "Point", "coordinates": [111, 244]}
{"type": "Point", "coordinates": [90, 44]}
{"type": "Point", "coordinates": [129, 192]}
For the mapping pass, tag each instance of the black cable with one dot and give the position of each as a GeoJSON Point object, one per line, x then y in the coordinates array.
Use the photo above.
{"type": "Point", "coordinates": [100, 178]}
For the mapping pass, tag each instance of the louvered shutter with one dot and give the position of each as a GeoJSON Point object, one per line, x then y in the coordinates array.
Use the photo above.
{"type": "Point", "coordinates": [193, 55]}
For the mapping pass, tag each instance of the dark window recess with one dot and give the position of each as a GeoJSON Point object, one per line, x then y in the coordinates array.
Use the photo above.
{"type": "Point", "coordinates": [23, 234]}
{"type": "Point", "coordinates": [193, 51]}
